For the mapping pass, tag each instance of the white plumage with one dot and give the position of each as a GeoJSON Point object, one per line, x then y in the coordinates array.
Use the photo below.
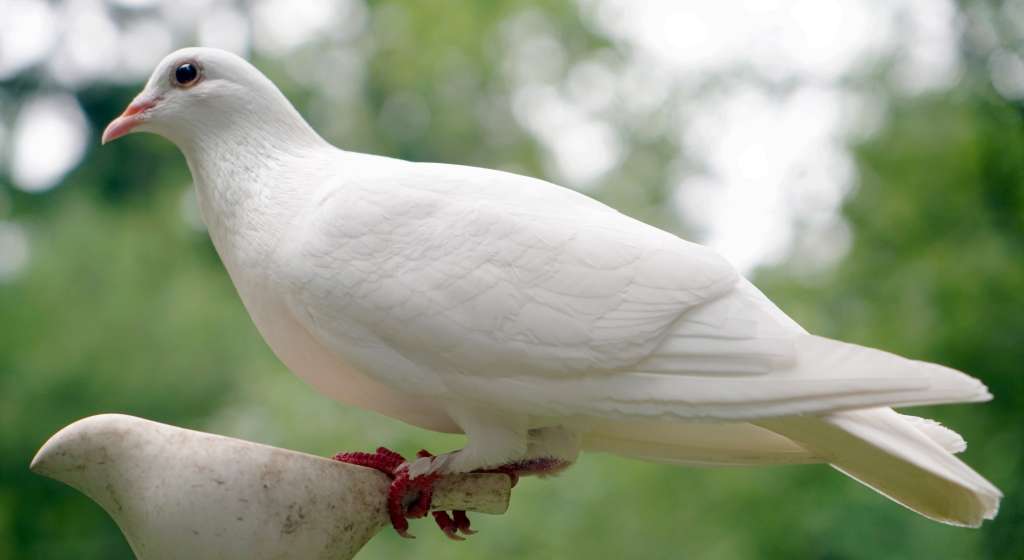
{"type": "Point", "coordinates": [534, 319]}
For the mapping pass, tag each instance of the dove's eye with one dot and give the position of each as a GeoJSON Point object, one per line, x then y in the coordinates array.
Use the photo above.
{"type": "Point", "coordinates": [186, 74]}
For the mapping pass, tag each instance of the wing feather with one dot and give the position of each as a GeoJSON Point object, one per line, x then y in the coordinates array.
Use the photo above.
{"type": "Point", "coordinates": [529, 280]}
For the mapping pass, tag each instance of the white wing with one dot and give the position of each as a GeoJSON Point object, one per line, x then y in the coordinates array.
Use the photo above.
{"type": "Point", "coordinates": [521, 294]}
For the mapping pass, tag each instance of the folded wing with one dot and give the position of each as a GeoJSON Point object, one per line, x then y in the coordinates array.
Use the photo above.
{"type": "Point", "coordinates": [519, 294]}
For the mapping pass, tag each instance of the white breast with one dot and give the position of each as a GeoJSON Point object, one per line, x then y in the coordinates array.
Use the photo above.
{"type": "Point", "coordinates": [306, 357]}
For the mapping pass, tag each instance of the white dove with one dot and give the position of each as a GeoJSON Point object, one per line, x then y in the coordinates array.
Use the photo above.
{"type": "Point", "coordinates": [531, 318]}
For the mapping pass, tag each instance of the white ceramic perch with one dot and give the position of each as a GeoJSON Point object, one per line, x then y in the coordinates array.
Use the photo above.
{"type": "Point", "coordinates": [178, 493]}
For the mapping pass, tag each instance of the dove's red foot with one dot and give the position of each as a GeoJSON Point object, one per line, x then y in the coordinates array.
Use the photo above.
{"type": "Point", "coordinates": [409, 498]}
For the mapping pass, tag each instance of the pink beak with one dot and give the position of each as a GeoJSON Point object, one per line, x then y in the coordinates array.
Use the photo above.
{"type": "Point", "coordinates": [129, 119]}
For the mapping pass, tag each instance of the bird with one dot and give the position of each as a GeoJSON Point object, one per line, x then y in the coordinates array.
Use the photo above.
{"type": "Point", "coordinates": [533, 319]}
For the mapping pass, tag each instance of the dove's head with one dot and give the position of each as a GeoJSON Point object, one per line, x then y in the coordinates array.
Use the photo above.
{"type": "Point", "coordinates": [203, 94]}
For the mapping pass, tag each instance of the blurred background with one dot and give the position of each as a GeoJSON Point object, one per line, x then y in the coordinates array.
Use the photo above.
{"type": "Point", "coordinates": [863, 161]}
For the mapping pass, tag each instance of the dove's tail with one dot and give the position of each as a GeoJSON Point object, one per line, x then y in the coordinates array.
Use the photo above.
{"type": "Point", "coordinates": [895, 457]}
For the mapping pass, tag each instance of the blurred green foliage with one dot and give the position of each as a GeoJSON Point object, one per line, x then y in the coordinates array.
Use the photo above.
{"type": "Point", "coordinates": [124, 307]}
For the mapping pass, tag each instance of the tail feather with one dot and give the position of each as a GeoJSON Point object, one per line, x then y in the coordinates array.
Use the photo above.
{"type": "Point", "coordinates": [721, 444]}
{"type": "Point", "coordinates": [895, 457]}
{"type": "Point", "coordinates": [694, 443]}
{"type": "Point", "coordinates": [946, 438]}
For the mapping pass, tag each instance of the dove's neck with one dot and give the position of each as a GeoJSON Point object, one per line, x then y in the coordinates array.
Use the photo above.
{"type": "Point", "coordinates": [250, 172]}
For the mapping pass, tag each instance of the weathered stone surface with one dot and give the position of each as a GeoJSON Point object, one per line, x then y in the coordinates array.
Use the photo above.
{"type": "Point", "coordinates": [178, 493]}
